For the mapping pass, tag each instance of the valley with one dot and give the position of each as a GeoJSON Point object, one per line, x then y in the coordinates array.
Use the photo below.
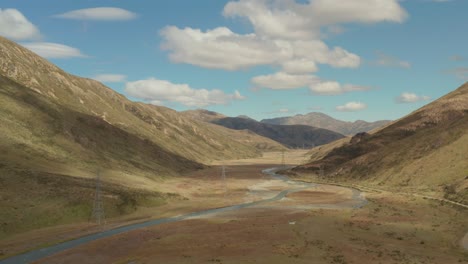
{"type": "Point", "coordinates": [322, 223]}
{"type": "Point", "coordinates": [148, 171]}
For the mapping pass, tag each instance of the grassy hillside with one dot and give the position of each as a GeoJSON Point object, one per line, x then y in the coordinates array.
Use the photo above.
{"type": "Point", "coordinates": [58, 130]}
{"type": "Point", "coordinates": [425, 151]}
{"type": "Point", "coordinates": [162, 126]}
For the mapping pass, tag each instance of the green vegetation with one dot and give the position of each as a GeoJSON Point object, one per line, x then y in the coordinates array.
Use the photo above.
{"type": "Point", "coordinates": [33, 200]}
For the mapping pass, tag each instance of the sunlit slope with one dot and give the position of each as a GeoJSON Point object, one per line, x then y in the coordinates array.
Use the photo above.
{"type": "Point", "coordinates": [426, 150]}
{"type": "Point", "coordinates": [57, 130]}
{"type": "Point", "coordinates": [162, 126]}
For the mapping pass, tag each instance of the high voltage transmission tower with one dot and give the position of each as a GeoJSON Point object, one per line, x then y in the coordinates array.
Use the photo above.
{"type": "Point", "coordinates": [283, 163]}
{"type": "Point", "coordinates": [322, 171]}
{"type": "Point", "coordinates": [223, 178]}
{"type": "Point", "coordinates": [98, 208]}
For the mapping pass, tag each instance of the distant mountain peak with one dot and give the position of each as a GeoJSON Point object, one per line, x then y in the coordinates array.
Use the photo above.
{"type": "Point", "coordinates": [245, 117]}
{"type": "Point", "coordinates": [321, 120]}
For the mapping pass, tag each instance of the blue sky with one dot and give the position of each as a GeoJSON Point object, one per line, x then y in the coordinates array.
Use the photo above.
{"type": "Point", "coordinates": [352, 60]}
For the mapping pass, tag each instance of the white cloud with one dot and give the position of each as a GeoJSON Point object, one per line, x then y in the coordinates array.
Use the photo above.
{"type": "Point", "coordinates": [288, 19]}
{"type": "Point", "coordinates": [299, 66]}
{"type": "Point", "coordinates": [284, 81]}
{"type": "Point", "coordinates": [99, 13]}
{"type": "Point", "coordinates": [109, 78]}
{"type": "Point", "coordinates": [335, 88]}
{"type": "Point", "coordinates": [53, 50]}
{"type": "Point", "coordinates": [411, 98]}
{"type": "Point", "coordinates": [159, 91]}
{"type": "Point", "coordinates": [351, 107]}
{"type": "Point", "coordinates": [14, 25]}
{"type": "Point", "coordinates": [390, 61]}
{"type": "Point", "coordinates": [285, 34]}
{"type": "Point", "coordinates": [220, 48]}
{"type": "Point", "coordinates": [283, 110]}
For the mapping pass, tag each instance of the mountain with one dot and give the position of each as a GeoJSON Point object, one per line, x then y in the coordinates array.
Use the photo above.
{"type": "Point", "coordinates": [293, 136]}
{"type": "Point", "coordinates": [297, 136]}
{"type": "Point", "coordinates": [57, 130]}
{"type": "Point", "coordinates": [246, 137]}
{"type": "Point", "coordinates": [171, 131]}
{"type": "Point", "coordinates": [321, 120]}
{"type": "Point", "coordinates": [203, 115]}
{"type": "Point", "coordinates": [425, 151]}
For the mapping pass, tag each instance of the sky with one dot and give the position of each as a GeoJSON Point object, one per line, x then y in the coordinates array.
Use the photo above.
{"type": "Point", "coordinates": [362, 59]}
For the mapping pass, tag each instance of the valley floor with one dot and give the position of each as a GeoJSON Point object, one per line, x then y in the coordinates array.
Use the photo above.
{"type": "Point", "coordinates": [319, 224]}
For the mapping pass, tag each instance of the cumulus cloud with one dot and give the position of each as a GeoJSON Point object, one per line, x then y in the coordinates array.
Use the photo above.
{"type": "Point", "coordinates": [390, 61]}
{"type": "Point", "coordinates": [335, 88]}
{"type": "Point", "coordinates": [351, 107]}
{"type": "Point", "coordinates": [99, 13]}
{"type": "Point", "coordinates": [299, 66]}
{"type": "Point", "coordinates": [285, 81]}
{"type": "Point", "coordinates": [220, 48]}
{"type": "Point", "coordinates": [14, 25]}
{"type": "Point", "coordinates": [286, 33]}
{"type": "Point", "coordinates": [53, 50]}
{"type": "Point", "coordinates": [110, 78]}
{"type": "Point", "coordinates": [160, 91]}
{"type": "Point", "coordinates": [288, 19]}
{"type": "Point", "coordinates": [411, 98]}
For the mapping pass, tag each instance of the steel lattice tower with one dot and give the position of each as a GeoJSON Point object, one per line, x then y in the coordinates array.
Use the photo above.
{"type": "Point", "coordinates": [223, 178]}
{"type": "Point", "coordinates": [283, 162]}
{"type": "Point", "coordinates": [98, 209]}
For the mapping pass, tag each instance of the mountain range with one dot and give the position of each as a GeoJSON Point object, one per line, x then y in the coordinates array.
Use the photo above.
{"type": "Point", "coordinates": [322, 120]}
{"type": "Point", "coordinates": [292, 136]}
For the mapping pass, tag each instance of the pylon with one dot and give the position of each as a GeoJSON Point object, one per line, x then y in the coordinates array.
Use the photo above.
{"type": "Point", "coordinates": [283, 163]}
{"type": "Point", "coordinates": [223, 179]}
{"type": "Point", "coordinates": [98, 208]}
